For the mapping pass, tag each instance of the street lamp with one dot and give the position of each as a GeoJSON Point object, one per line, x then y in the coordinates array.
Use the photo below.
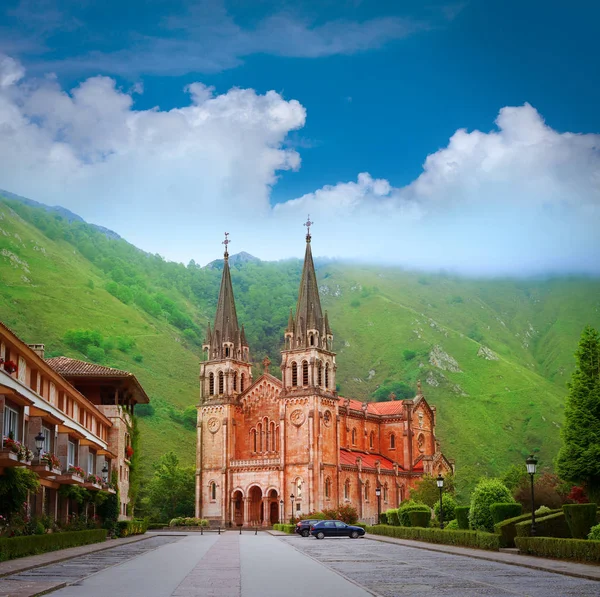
{"type": "Point", "coordinates": [39, 444]}
{"type": "Point", "coordinates": [378, 494]}
{"type": "Point", "coordinates": [292, 500]}
{"type": "Point", "coordinates": [105, 472]}
{"type": "Point", "coordinates": [440, 484]}
{"type": "Point", "coordinates": [281, 508]}
{"type": "Point", "coordinates": [531, 464]}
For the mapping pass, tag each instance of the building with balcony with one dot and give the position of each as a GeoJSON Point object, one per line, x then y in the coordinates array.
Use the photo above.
{"type": "Point", "coordinates": [83, 412]}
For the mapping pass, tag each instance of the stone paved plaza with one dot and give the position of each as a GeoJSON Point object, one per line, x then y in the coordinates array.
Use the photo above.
{"type": "Point", "coordinates": [230, 565]}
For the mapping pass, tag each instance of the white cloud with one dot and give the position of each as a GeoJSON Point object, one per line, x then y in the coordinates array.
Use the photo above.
{"type": "Point", "coordinates": [520, 199]}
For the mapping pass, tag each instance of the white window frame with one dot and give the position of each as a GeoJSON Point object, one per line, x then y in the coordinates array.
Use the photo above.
{"type": "Point", "coordinates": [11, 415]}
{"type": "Point", "coordinates": [90, 464]}
{"type": "Point", "coordinates": [70, 448]}
{"type": "Point", "coordinates": [47, 440]}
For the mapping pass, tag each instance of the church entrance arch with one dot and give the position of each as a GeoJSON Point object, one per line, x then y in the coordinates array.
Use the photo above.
{"type": "Point", "coordinates": [255, 511]}
{"type": "Point", "coordinates": [273, 507]}
{"type": "Point", "coordinates": [238, 508]}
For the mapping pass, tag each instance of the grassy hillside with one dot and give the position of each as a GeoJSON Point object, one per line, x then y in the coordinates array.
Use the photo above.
{"type": "Point", "coordinates": [389, 325]}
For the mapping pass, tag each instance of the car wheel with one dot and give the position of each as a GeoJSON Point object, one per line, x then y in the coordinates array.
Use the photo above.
{"type": "Point", "coordinates": [320, 535]}
{"type": "Point", "coordinates": [354, 535]}
{"type": "Point", "coordinates": [305, 533]}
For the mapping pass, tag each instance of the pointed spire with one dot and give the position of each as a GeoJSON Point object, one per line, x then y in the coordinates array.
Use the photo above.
{"type": "Point", "coordinates": [208, 334]}
{"type": "Point", "coordinates": [290, 325]}
{"type": "Point", "coordinates": [309, 315]}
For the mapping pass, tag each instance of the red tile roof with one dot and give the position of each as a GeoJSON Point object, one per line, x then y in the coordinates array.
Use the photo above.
{"type": "Point", "coordinates": [348, 457]}
{"type": "Point", "coordinates": [75, 367]}
{"type": "Point", "coordinates": [393, 407]}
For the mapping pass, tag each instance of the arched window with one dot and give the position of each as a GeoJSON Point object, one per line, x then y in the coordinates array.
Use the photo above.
{"type": "Point", "coordinates": [298, 488]}
{"type": "Point", "coordinates": [385, 492]}
{"type": "Point", "coordinates": [227, 351]}
{"type": "Point", "coordinates": [304, 373]}
{"type": "Point", "coordinates": [277, 438]}
{"type": "Point", "coordinates": [421, 442]}
{"type": "Point", "coordinates": [273, 436]}
{"type": "Point", "coordinates": [211, 384]}
{"type": "Point", "coordinates": [294, 374]}
{"type": "Point", "coordinates": [327, 376]}
{"type": "Point", "coordinates": [328, 488]}
{"type": "Point", "coordinates": [260, 437]}
{"type": "Point", "coordinates": [353, 437]}
{"type": "Point", "coordinates": [242, 382]}
{"type": "Point", "coordinates": [392, 442]}
{"type": "Point", "coordinates": [347, 489]}
{"type": "Point", "coordinates": [221, 382]}
{"type": "Point", "coordinates": [254, 439]}
{"type": "Point", "coordinates": [371, 440]}
{"type": "Point", "coordinates": [319, 374]}
{"type": "Point", "coordinates": [235, 381]}
{"type": "Point", "coordinates": [213, 490]}
{"type": "Point", "coordinates": [367, 487]}
{"type": "Point", "coordinates": [312, 340]}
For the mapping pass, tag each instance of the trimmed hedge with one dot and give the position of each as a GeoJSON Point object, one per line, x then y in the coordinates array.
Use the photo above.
{"type": "Point", "coordinates": [462, 516]}
{"type": "Point", "coordinates": [478, 539]}
{"type": "Point", "coordinates": [189, 522]}
{"type": "Point", "coordinates": [419, 518]}
{"type": "Point", "coordinates": [580, 518]}
{"type": "Point", "coordinates": [410, 506]}
{"type": "Point", "coordinates": [284, 528]}
{"type": "Point", "coordinates": [503, 511]}
{"type": "Point", "coordinates": [17, 547]}
{"type": "Point", "coordinates": [552, 547]}
{"type": "Point", "coordinates": [507, 528]}
{"type": "Point", "coordinates": [552, 525]}
{"type": "Point", "coordinates": [392, 517]}
{"type": "Point", "coordinates": [131, 527]}
{"type": "Point", "coordinates": [383, 519]}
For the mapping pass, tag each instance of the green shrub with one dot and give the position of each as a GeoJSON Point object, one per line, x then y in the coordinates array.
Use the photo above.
{"type": "Point", "coordinates": [478, 539]}
{"type": "Point", "coordinates": [543, 510]}
{"type": "Point", "coordinates": [285, 528]}
{"type": "Point", "coordinates": [594, 533]}
{"type": "Point", "coordinates": [419, 518]}
{"type": "Point", "coordinates": [552, 525]}
{"type": "Point", "coordinates": [383, 519]}
{"type": "Point", "coordinates": [392, 517]}
{"type": "Point", "coordinates": [582, 550]}
{"type": "Point", "coordinates": [313, 516]}
{"type": "Point", "coordinates": [462, 516]}
{"type": "Point", "coordinates": [486, 493]}
{"type": "Point", "coordinates": [580, 518]}
{"type": "Point", "coordinates": [125, 528]}
{"type": "Point", "coordinates": [448, 507]}
{"type": "Point", "coordinates": [189, 522]}
{"type": "Point", "coordinates": [362, 525]}
{"type": "Point", "coordinates": [17, 547]}
{"type": "Point", "coordinates": [502, 512]}
{"type": "Point", "coordinates": [407, 507]}
{"type": "Point", "coordinates": [452, 525]}
{"type": "Point", "coordinates": [507, 529]}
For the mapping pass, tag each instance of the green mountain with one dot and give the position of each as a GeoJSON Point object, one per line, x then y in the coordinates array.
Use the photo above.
{"type": "Point", "coordinates": [493, 355]}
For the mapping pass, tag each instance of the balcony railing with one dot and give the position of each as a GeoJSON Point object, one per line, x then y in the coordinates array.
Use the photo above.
{"type": "Point", "coordinates": [256, 462]}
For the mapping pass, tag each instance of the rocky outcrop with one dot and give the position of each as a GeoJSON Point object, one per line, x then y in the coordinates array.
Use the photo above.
{"type": "Point", "coordinates": [485, 353]}
{"type": "Point", "coordinates": [442, 360]}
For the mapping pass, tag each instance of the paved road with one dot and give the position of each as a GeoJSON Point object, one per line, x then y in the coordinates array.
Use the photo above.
{"type": "Point", "coordinates": [395, 570]}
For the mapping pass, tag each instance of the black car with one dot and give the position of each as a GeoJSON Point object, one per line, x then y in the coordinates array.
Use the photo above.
{"type": "Point", "coordinates": [303, 527]}
{"type": "Point", "coordinates": [335, 528]}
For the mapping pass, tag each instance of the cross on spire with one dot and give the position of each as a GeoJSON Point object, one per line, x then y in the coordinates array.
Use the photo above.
{"type": "Point", "coordinates": [266, 362]}
{"type": "Point", "coordinates": [226, 242]}
{"type": "Point", "coordinates": [308, 224]}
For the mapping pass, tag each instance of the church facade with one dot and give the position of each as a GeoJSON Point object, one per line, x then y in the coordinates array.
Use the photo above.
{"type": "Point", "coordinates": [269, 448]}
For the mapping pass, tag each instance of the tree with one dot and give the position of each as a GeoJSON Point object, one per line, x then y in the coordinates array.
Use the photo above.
{"type": "Point", "coordinates": [579, 457]}
{"type": "Point", "coordinates": [171, 490]}
{"type": "Point", "coordinates": [486, 493]}
{"type": "Point", "coordinates": [427, 492]}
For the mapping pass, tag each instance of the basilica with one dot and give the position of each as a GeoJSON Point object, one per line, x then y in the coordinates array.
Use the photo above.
{"type": "Point", "coordinates": [269, 449]}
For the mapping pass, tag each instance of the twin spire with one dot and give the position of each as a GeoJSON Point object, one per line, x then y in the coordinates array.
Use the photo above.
{"type": "Point", "coordinates": [310, 327]}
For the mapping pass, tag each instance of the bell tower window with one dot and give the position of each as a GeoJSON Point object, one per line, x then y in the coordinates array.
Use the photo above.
{"type": "Point", "coordinates": [227, 351]}
{"type": "Point", "coordinates": [211, 384]}
{"type": "Point", "coordinates": [319, 374]}
{"type": "Point", "coordinates": [294, 374]}
{"type": "Point", "coordinates": [327, 376]}
{"type": "Point", "coordinates": [242, 382]}
{"type": "Point", "coordinates": [235, 376]}
{"type": "Point", "coordinates": [305, 373]}
{"type": "Point", "coordinates": [221, 382]}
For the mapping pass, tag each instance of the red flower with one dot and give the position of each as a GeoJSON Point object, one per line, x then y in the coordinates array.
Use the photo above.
{"type": "Point", "coordinates": [129, 452]}
{"type": "Point", "coordinates": [10, 366]}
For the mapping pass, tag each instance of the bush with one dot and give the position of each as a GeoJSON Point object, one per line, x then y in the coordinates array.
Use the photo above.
{"type": "Point", "coordinates": [552, 547]}
{"type": "Point", "coordinates": [383, 519]}
{"type": "Point", "coordinates": [462, 516]}
{"type": "Point", "coordinates": [448, 507]}
{"type": "Point", "coordinates": [17, 547]}
{"type": "Point", "coordinates": [419, 518]}
{"type": "Point", "coordinates": [313, 516]}
{"type": "Point", "coordinates": [392, 517]}
{"type": "Point", "coordinates": [478, 539]}
{"type": "Point", "coordinates": [189, 522]}
{"type": "Point", "coordinates": [552, 525]}
{"type": "Point", "coordinates": [126, 528]}
{"type": "Point", "coordinates": [507, 529]}
{"type": "Point", "coordinates": [410, 506]}
{"type": "Point", "coordinates": [580, 518]}
{"type": "Point", "coordinates": [285, 528]}
{"type": "Point", "coordinates": [594, 533]}
{"type": "Point", "coordinates": [486, 493]}
{"type": "Point", "coordinates": [452, 525]}
{"type": "Point", "coordinates": [543, 510]}
{"type": "Point", "coordinates": [502, 512]}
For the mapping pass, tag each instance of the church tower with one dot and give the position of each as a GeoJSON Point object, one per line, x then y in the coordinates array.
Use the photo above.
{"type": "Point", "coordinates": [227, 372]}
{"type": "Point", "coordinates": [308, 360]}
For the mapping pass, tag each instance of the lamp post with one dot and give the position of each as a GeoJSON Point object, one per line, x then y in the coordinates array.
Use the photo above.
{"type": "Point", "coordinates": [531, 464]}
{"type": "Point", "coordinates": [281, 509]}
{"type": "Point", "coordinates": [378, 494]}
{"type": "Point", "coordinates": [440, 484]}
{"type": "Point", "coordinates": [292, 500]}
{"type": "Point", "coordinates": [39, 444]}
{"type": "Point", "coordinates": [105, 472]}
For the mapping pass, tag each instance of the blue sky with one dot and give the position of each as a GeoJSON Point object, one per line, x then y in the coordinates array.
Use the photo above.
{"type": "Point", "coordinates": [382, 84]}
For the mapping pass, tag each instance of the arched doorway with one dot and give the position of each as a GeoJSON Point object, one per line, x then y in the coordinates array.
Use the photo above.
{"type": "Point", "coordinates": [273, 507]}
{"type": "Point", "coordinates": [255, 510]}
{"type": "Point", "coordinates": [238, 508]}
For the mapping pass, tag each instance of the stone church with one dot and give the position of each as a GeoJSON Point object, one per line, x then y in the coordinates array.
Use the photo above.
{"type": "Point", "coordinates": [270, 448]}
